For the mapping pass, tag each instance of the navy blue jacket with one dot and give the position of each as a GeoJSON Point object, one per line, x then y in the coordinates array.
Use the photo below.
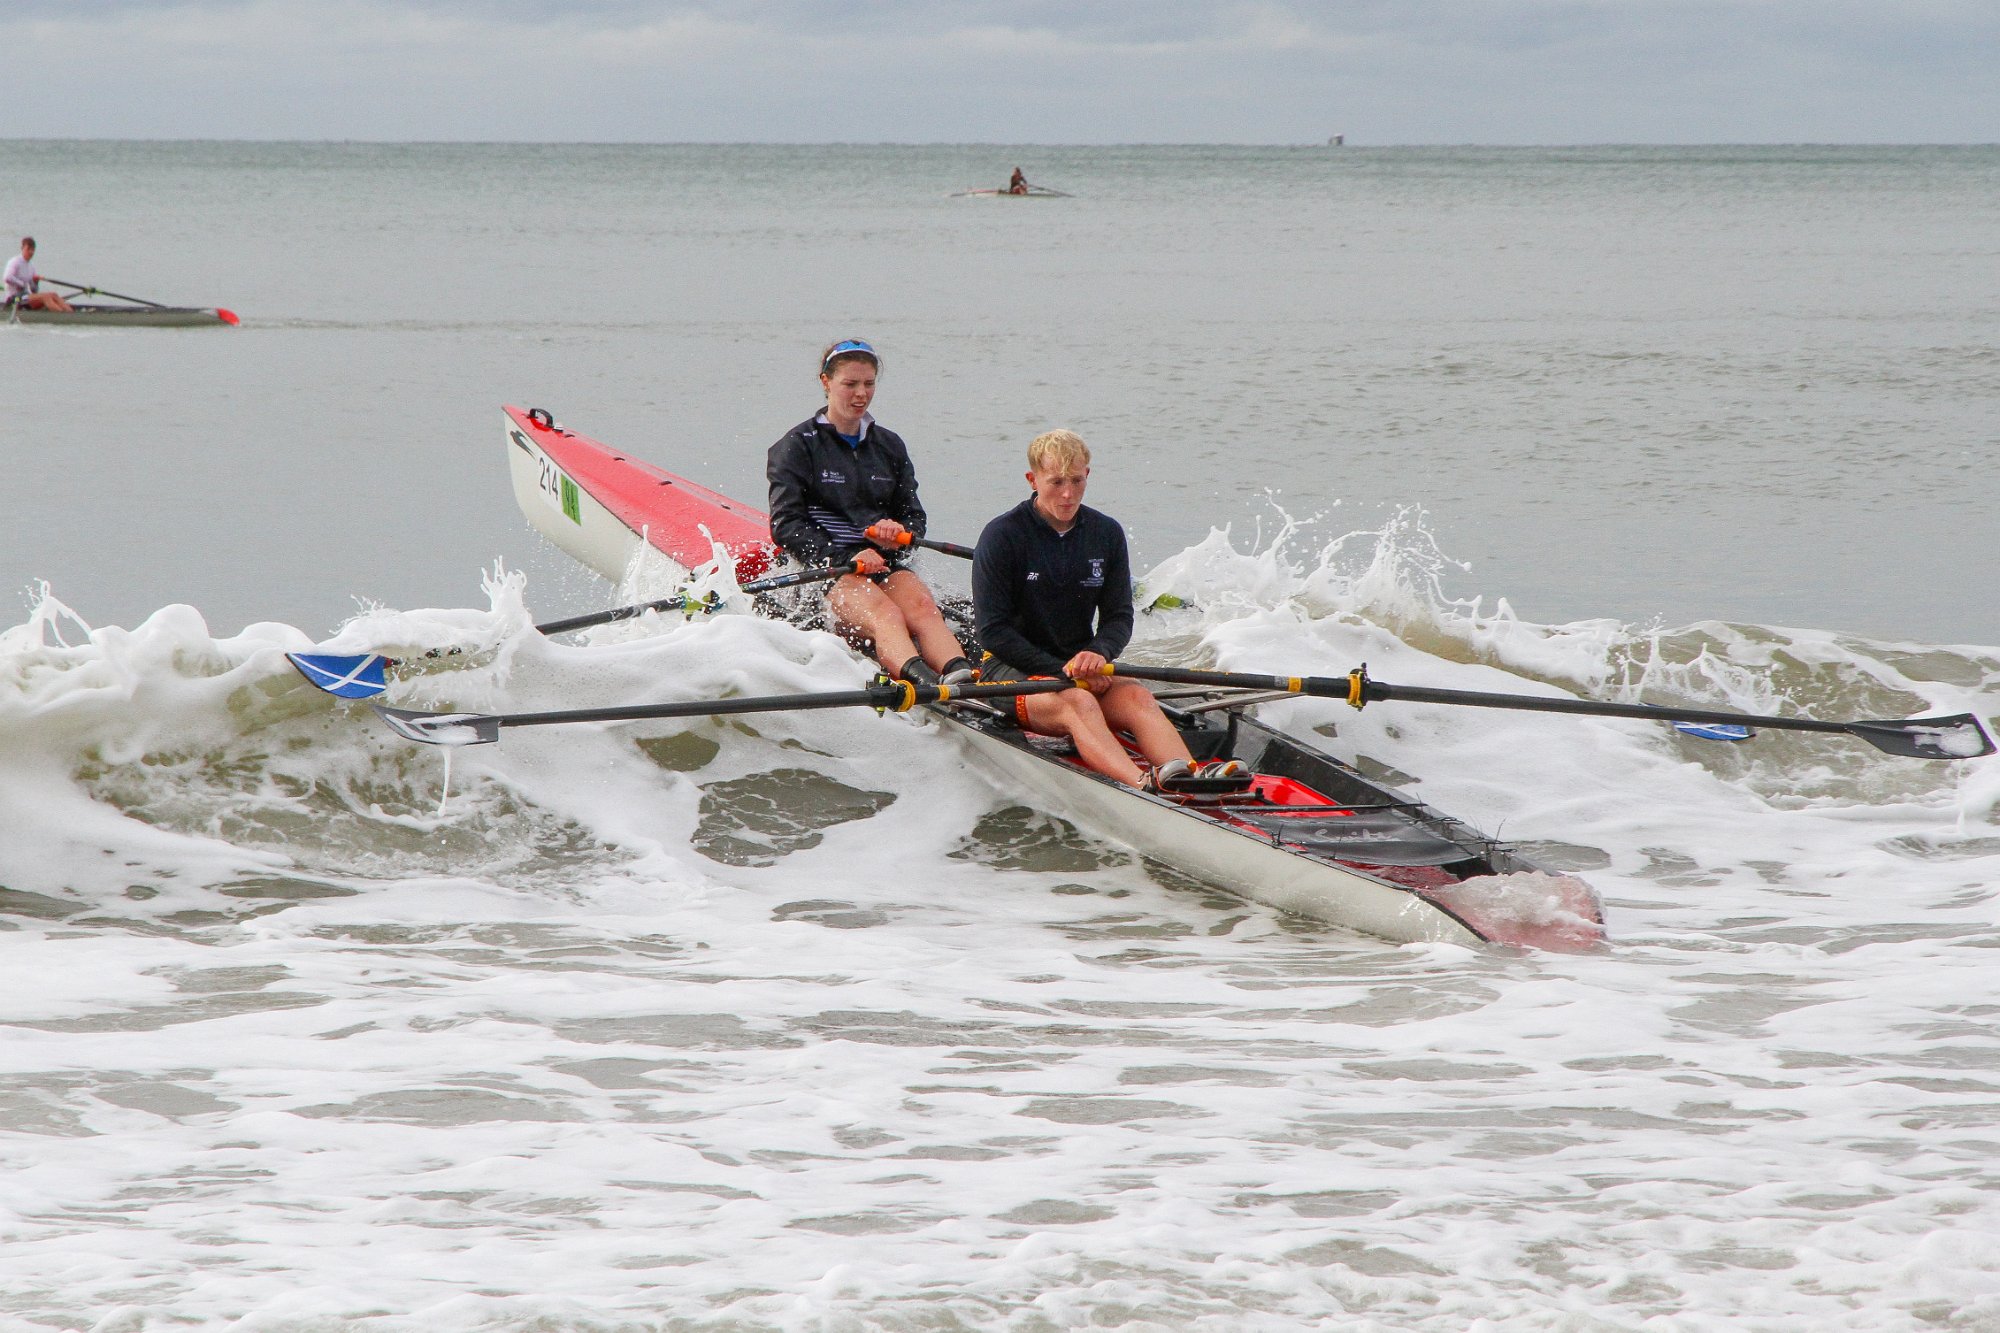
{"type": "Point", "coordinates": [824, 491]}
{"type": "Point", "coordinates": [1040, 596]}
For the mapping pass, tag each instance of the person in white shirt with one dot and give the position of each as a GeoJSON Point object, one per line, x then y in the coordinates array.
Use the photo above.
{"type": "Point", "coordinates": [22, 282]}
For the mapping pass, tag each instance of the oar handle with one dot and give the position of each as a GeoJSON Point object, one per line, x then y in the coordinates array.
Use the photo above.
{"type": "Point", "coordinates": [1355, 687]}
{"type": "Point", "coordinates": [911, 539]}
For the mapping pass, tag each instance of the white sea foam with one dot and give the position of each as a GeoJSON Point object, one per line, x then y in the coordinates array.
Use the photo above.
{"type": "Point", "coordinates": [797, 1021]}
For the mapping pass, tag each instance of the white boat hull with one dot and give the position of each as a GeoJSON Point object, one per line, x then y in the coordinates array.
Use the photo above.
{"type": "Point", "coordinates": [1225, 857]}
{"type": "Point", "coordinates": [1331, 846]}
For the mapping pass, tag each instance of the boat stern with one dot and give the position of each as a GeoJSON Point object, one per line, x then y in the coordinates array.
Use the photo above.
{"type": "Point", "coordinates": [1527, 909]}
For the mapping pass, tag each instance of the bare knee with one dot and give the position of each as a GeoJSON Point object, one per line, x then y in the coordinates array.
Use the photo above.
{"type": "Point", "coordinates": [1080, 708]}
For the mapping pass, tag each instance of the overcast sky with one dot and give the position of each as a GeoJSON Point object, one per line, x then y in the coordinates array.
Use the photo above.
{"type": "Point", "coordinates": [1007, 71]}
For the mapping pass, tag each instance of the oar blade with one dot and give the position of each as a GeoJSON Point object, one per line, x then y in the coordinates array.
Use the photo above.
{"type": "Point", "coordinates": [361, 677]}
{"type": "Point", "coordinates": [440, 728]}
{"type": "Point", "coordinates": [1714, 731]}
{"type": "Point", "coordinates": [1956, 737]}
{"type": "Point", "coordinates": [227, 316]}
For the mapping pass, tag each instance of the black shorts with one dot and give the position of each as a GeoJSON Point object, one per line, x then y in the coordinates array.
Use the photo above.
{"type": "Point", "coordinates": [993, 671]}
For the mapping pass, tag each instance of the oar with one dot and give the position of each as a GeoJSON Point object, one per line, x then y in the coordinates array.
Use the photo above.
{"type": "Point", "coordinates": [908, 539]}
{"type": "Point", "coordinates": [710, 602]}
{"type": "Point", "coordinates": [1956, 737]}
{"type": "Point", "coordinates": [365, 675]}
{"type": "Point", "coordinates": [99, 291]}
{"type": "Point", "coordinates": [226, 316]}
{"type": "Point", "coordinates": [892, 696]}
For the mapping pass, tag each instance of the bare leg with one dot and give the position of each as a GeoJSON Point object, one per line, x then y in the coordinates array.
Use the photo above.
{"type": "Point", "coordinates": [922, 619]}
{"type": "Point", "coordinates": [1075, 714]}
{"type": "Point", "coordinates": [1130, 707]}
{"type": "Point", "coordinates": [862, 607]}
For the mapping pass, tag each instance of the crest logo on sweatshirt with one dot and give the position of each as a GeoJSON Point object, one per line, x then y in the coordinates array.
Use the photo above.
{"type": "Point", "coordinates": [1096, 579]}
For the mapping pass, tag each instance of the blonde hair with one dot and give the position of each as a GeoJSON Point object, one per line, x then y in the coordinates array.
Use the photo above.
{"type": "Point", "coordinates": [1057, 448]}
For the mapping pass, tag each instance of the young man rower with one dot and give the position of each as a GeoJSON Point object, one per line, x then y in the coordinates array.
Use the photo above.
{"type": "Point", "coordinates": [1052, 594]}
{"type": "Point", "coordinates": [23, 285]}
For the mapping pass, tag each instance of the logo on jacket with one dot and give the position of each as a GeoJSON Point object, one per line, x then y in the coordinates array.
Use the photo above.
{"type": "Point", "coordinates": [831, 477]}
{"type": "Point", "coordinates": [1096, 579]}
{"type": "Point", "coordinates": [1033, 575]}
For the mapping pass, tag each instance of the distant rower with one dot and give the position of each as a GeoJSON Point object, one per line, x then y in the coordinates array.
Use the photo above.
{"type": "Point", "coordinates": [1019, 183]}
{"type": "Point", "coordinates": [24, 284]}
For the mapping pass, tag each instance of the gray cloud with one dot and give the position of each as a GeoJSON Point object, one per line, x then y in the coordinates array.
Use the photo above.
{"type": "Point", "coordinates": [1489, 71]}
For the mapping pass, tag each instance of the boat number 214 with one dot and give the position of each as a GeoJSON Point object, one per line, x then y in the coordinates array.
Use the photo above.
{"type": "Point", "coordinates": [558, 490]}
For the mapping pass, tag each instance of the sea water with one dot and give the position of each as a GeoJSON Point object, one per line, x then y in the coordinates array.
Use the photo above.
{"type": "Point", "coordinates": [800, 1021]}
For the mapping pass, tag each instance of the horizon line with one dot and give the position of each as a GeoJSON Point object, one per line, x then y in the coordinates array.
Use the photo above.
{"type": "Point", "coordinates": [997, 143]}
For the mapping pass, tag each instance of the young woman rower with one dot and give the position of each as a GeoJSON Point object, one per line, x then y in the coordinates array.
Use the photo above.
{"type": "Point", "coordinates": [842, 489]}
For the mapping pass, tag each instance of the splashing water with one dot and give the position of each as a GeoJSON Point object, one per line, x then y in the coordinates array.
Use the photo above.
{"type": "Point", "coordinates": [798, 1022]}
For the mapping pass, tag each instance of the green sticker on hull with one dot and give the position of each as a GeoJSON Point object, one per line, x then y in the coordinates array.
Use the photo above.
{"type": "Point", "coordinates": [571, 505]}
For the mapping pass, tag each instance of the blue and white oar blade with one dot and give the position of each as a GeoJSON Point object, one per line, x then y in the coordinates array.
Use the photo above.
{"type": "Point", "coordinates": [1714, 731]}
{"type": "Point", "coordinates": [361, 677]}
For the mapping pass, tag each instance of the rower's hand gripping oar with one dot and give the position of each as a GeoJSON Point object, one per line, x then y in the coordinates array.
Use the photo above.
{"type": "Point", "coordinates": [1956, 737]}
{"type": "Point", "coordinates": [226, 316]}
{"type": "Point", "coordinates": [365, 675]}
{"type": "Point", "coordinates": [885, 696]}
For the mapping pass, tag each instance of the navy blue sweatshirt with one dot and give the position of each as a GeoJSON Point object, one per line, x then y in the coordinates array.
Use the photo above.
{"type": "Point", "coordinates": [1041, 596]}
{"type": "Point", "coordinates": [824, 491]}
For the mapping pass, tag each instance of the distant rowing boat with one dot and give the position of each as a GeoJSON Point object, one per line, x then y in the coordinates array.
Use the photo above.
{"type": "Point", "coordinates": [127, 316]}
{"type": "Point", "coordinates": [1032, 192]}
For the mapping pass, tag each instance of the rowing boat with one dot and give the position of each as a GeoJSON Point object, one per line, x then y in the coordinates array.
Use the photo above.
{"type": "Point", "coordinates": [1311, 836]}
{"type": "Point", "coordinates": [126, 316]}
{"type": "Point", "coordinates": [1032, 192]}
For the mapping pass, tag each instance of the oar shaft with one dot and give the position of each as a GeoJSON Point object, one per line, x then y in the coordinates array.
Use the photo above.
{"type": "Point", "coordinates": [776, 703]}
{"type": "Point", "coordinates": [771, 584]}
{"type": "Point", "coordinates": [896, 696]}
{"type": "Point", "coordinates": [99, 291]}
{"type": "Point", "coordinates": [1358, 688]}
{"type": "Point", "coordinates": [1586, 707]}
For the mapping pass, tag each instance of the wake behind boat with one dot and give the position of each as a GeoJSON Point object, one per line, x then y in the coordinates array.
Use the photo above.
{"type": "Point", "coordinates": [1311, 836]}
